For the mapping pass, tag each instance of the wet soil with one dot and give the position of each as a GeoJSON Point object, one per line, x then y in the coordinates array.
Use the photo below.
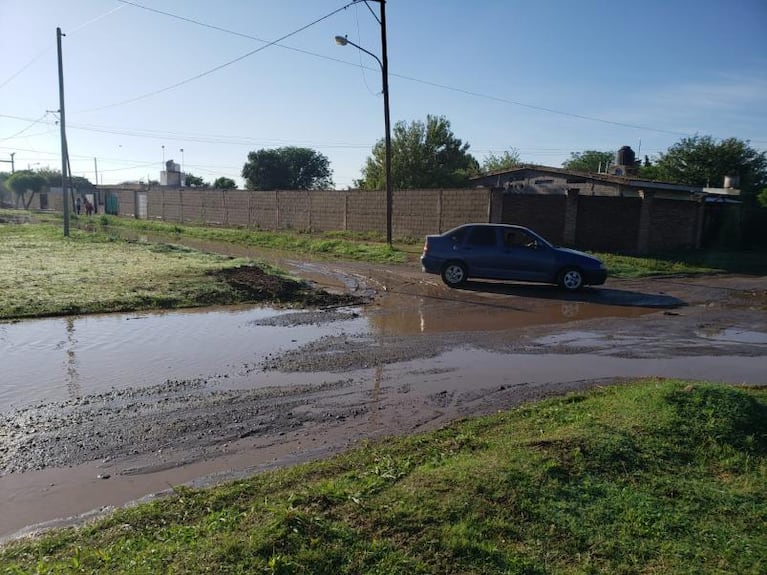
{"type": "Point", "coordinates": [426, 361]}
{"type": "Point", "coordinates": [257, 285]}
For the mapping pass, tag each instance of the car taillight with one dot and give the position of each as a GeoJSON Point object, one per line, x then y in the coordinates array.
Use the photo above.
{"type": "Point", "coordinates": [425, 247]}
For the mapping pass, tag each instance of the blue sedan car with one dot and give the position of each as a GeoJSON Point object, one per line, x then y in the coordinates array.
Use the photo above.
{"type": "Point", "coordinates": [506, 252]}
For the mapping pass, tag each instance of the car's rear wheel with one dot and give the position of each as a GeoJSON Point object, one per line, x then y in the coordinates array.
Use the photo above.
{"type": "Point", "coordinates": [571, 279]}
{"type": "Point", "coordinates": [454, 273]}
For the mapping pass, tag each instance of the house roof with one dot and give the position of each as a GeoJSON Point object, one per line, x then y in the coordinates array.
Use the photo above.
{"type": "Point", "coordinates": [629, 181]}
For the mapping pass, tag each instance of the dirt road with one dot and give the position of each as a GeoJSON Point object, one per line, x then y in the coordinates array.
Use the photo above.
{"type": "Point", "coordinates": [431, 355]}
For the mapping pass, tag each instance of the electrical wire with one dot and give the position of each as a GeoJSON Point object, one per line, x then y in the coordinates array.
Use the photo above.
{"type": "Point", "coordinates": [50, 46]}
{"type": "Point", "coordinates": [368, 68]}
{"type": "Point", "coordinates": [225, 64]}
{"type": "Point", "coordinates": [34, 122]}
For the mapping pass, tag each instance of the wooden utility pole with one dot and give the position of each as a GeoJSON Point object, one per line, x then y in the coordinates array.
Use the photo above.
{"type": "Point", "coordinates": [64, 152]}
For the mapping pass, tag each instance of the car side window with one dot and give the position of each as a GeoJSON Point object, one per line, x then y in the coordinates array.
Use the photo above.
{"type": "Point", "coordinates": [518, 239]}
{"type": "Point", "coordinates": [481, 236]}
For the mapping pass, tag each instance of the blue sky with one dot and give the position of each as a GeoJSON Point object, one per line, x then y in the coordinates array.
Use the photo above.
{"type": "Point", "coordinates": [545, 77]}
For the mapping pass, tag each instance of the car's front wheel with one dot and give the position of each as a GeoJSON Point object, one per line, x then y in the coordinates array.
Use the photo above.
{"type": "Point", "coordinates": [571, 279]}
{"type": "Point", "coordinates": [454, 274]}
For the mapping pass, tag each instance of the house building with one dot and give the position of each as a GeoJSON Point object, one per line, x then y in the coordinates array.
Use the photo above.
{"type": "Point", "coordinates": [614, 211]}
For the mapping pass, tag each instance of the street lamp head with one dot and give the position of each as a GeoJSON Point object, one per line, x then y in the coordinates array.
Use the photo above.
{"type": "Point", "coordinates": [341, 40]}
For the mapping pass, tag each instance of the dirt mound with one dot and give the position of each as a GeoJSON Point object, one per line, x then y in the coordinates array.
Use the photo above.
{"type": "Point", "coordinates": [259, 285]}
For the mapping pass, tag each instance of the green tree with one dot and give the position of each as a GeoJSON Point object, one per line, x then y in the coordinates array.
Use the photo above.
{"type": "Point", "coordinates": [508, 160]}
{"type": "Point", "coordinates": [53, 180]}
{"type": "Point", "coordinates": [762, 198]}
{"type": "Point", "coordinates": [224, 183]}
{"type": "Point", "coordinates": [288, 168]}
{"type": "Point", "coordinates": [704, 161]}
{"type": "Point", "coordinates": [589, 161]}
{"type": "Point", "coordinates": [424, 155]}
{"type": "Point", "coordinates": [195, 181]}
{"type": "Point", "coordinates": [23, 182]}
{"type": "Point", "coordinates": [4, 191]}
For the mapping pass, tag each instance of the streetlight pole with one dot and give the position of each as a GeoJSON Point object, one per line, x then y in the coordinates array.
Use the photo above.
{"type": "Point", "coordinates": [384, 63]}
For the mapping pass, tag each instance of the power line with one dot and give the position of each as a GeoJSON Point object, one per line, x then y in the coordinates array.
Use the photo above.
{"type": "Point", "coordinates": [362, 68]}
{"type": "Point", "coordinates": [201, 138]}
{"type": "Point", "coordinates": [225, 64]}
{"type": "Point", "coordinates": [48, 48]}
{"type": "Point", "coordinates": [24, 129]}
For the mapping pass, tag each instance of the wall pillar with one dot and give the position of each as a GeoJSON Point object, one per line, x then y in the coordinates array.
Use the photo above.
{"type": "Point", "coordinates": [571, 217]}
{"type": "Point", "coordinates": [495, 206]}
{"type": "Point", "coordinates": [700, 214]}
{"type": "Point", "coordinates": [645, 221]}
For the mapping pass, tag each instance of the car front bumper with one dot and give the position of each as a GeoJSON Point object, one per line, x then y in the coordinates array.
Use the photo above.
{"type": "Point", "coordinates": [594, 277]}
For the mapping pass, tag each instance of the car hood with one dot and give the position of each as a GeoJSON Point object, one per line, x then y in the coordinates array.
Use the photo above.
{"type": "Point", "coordinates": [567, 252]}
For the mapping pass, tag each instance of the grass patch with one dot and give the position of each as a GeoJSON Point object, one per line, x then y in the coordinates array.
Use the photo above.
{"type": "Point", "coordinates": [43, 274]}
{"type": "Point", "coordinates": [652, 477]}
{"type": "Point", "coordinates": [362, 246]}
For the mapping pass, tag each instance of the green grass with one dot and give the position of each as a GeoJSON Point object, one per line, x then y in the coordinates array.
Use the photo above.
{"type": "Point", "coordinates": [42, 274]}
{"type": "Point", "coordinates": [344, 245]}
{"type": "Point", "coordinates": [370, 246]}
{"type": "Point", "coordinates": [648, 478]}
{"type": "Point", "coordinates": [685, 263]}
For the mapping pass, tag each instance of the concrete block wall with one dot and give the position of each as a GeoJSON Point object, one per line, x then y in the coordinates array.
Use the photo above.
{"type": "Point", "coordinates": [463, 207]}
{"type": "Point", "coordinates": [366, 211]}
{"type": "Point", "coordinates": [327, 210]}
{"type": "Point", "coordinates": [594, 222]}
{"type": "Point", "coordinates": [263, 210]}
{"type": "Point", "coordinates": [237, 207]}
{"type": "Point", "coordinates": [293, 210]}
{"type": "Point", "coordinates": [416, 213]}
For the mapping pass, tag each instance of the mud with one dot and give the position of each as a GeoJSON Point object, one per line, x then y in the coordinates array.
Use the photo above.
{"type": "Point", "coordinates": [425, 361]}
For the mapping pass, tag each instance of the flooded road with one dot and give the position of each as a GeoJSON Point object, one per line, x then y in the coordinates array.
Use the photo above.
{"type": "Point", "coordinates": [102, 410]}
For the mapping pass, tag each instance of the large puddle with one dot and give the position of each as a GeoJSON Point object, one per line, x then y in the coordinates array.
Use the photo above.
{"type": "Point", "coordinates": [63, 358]}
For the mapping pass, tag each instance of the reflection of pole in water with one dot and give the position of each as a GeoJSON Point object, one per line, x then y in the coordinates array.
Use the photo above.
{"type": "Point", "coordinates": [73, 378]}
{"type": "Point", "coordinates": [377, 376]}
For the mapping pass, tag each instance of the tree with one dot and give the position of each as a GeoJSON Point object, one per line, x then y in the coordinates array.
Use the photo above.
{"type": "Point", "coordinates": [23, 182]}
{"type": "Point", "coordinates": [4, 191]}
{"type": "Point", "coordinates": [506, 161]}
{"type": "Point", "coordinates": [53, 180]}
{"type": "Point", "coordinates": [223, 183]}
{"type": "Point", "coordinates": [288, 168]}
{"type": "Point", "coordinates": [702, 161]}
{"type": "Point", "coordinates": [424, 155]}
{"type": "Point", "coordinates": [195, 181]}
{"type": "Point", "coordinates": [589, 161]}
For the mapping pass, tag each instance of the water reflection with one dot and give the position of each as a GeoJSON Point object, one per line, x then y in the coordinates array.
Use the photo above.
{"type": "Point", "coordinates": [408, 314]}
{"type": "Point", "coordinates": [62, 358]}
{"type": "Point", "coordinates": [73, 378]}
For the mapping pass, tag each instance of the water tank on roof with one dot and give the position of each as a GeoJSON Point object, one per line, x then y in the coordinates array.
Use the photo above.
{"type": "Point", "coordinates": [731, 181]}
{"type": "Point", "coordinates": [625, 156]}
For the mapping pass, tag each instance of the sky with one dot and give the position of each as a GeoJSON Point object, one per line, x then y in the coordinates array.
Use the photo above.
{"type": "Point", "coordinates": [146, 79]}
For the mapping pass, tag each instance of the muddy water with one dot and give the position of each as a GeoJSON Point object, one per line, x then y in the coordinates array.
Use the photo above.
{"type": "Point", "coordinates": [51, 360]}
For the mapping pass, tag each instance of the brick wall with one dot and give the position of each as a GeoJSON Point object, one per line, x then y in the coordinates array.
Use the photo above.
{"type": "Point", "coordinates": [544, 214]}
{"type": "Point", "coordinates": [673, 224]}
{"type": "Point", "coordinates": [607, 224]}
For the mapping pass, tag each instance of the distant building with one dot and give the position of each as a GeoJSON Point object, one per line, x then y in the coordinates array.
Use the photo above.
{"type": "Point", "coordinates": [172, 175]}
{"type": "Point", "coordinates": [613, 211]}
